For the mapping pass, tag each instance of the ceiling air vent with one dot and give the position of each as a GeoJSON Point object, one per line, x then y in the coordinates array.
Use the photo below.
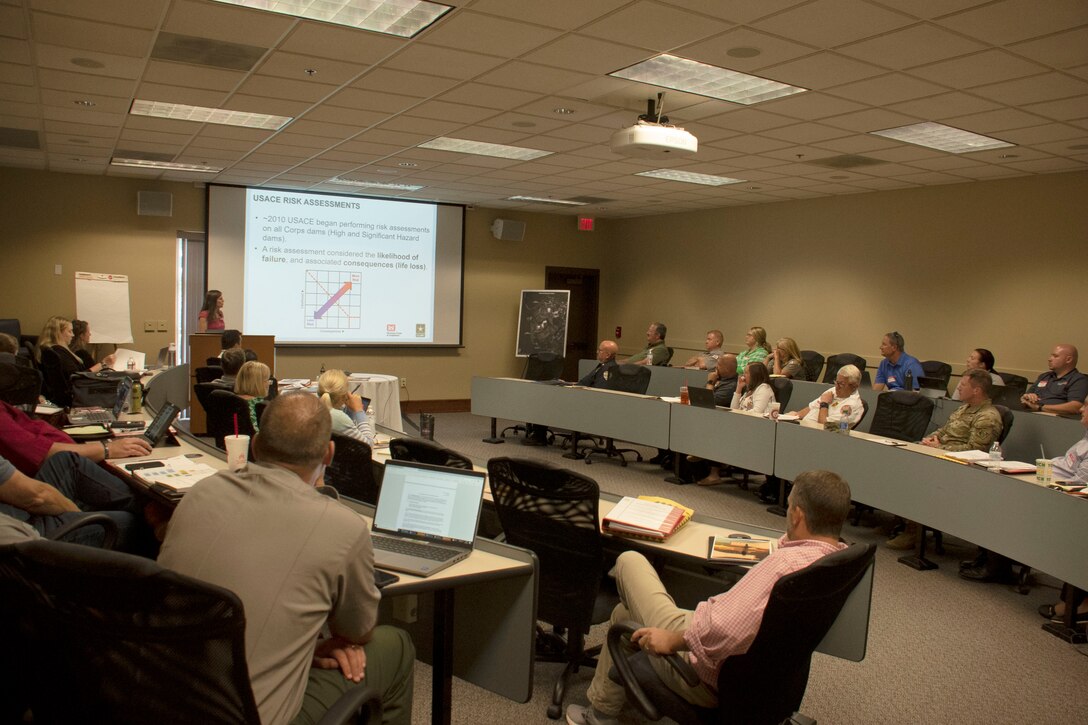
{"type": "Point", "coordinates": [202, 51]}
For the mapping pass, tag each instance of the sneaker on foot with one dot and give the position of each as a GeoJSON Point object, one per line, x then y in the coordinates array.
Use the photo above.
{"type": "Point", "coordinates": [582, 715]}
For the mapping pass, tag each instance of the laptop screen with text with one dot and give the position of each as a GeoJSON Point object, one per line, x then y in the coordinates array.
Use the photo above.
{"type": "Point", "coordinates": [440, 504]}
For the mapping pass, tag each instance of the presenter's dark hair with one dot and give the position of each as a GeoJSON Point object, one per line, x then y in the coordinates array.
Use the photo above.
{"type": "Point", "coordinates": [986, 358]}
{"type": "Point", "coordinates": [230, 338]}
{"type": "Point", "coordinates": [825, 498]}
{"type": "Point", "coordinates": [211, 304]}
{"type": "Point", "coordinates": [661, 330]}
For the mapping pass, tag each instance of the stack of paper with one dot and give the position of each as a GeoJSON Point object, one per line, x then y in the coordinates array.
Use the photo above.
{"type": "Point", "coordinates": [645, 519]}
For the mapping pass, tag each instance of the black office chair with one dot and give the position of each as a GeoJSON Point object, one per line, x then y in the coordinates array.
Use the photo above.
{"type": "Point", "coordinates": [939, 373]}
{"type": "Point", "coordinates": [214, 362]}
{"type": "Point", "coordinates": [223, 408]}
{"type": "Point", "coordinates": [668, 357]}
{"type": "Point", "coordinates": [424, 451]}
{"type": "Point", "coordinates": [539, 366]}
{"type": "Point", "coordinates": [837, 361]}
{"type": "Point", "coordinates": [766, 684]}
{"type": "Point", "coordinates": [55, 384]}
{"type": "Point", "coordinates": [131, 641]}
{"type": "Point", "coordinates": [1009, 396]}
{"type": "Point", "coordinates": [20, 384]}
{"type": "Point", "coordinates": [783, 391]}
{"type": "Point", "coordinates": [814, 363]}
{"type": "Point", "coordinates": [902, 415]}
{"type": "Point", "coordinates": [208, 373]}
{"type": "Point", "coordinates": [352, 470]}
{"type": "Point", "coordinates": [629, 379]}
{"type": "Point", "coordinates": [554, 513]}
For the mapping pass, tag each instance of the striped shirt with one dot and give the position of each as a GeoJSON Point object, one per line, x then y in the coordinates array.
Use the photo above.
{"type": "Point", "coordinates": [726, 624]}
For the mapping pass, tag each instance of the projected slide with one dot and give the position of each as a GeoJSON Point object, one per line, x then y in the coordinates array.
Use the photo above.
{"type": "Point", "coordinates": [323, 268]}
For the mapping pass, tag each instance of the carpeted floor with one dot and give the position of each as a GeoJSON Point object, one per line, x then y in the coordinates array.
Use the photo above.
{"type": "Point", "coordinates": [941, 649]}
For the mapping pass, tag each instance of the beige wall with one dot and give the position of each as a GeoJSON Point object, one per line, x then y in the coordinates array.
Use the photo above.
{"type": "Point", "coordinates": [951, 267]}
{"type": "Point", "coordinates": [90, 224]}
{"type": "Point", "coordinates": [998, 264]}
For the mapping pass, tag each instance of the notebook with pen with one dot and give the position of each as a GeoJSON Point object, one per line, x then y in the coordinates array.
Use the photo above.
{"type": "Point", "coordinates": [426, 517]}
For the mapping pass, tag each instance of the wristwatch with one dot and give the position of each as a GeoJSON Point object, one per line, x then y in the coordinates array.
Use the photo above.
{"type": "Point", "coordinates": [105, 448]}
{"type": "Point", "coordinates": [824, 405]}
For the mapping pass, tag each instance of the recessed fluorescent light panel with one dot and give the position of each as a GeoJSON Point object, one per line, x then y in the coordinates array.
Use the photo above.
{"type": "Point", "coordinates": [689, 178]}
{"type": "Point", "coordinates": [943, 138]}
{"type": "Point", "coordinates": [681, 74]}
{"type": "Point", "coordinates": [376, 184]}
{"type": "Point", "coordinates": [199, 114]}
{"type": "Point", "coordinates": [542, 200]}
{"type": "Point", "coordinates": [480, 148]}
{"type": "Point", "coordinates": [166, 165]}
{"type": "Point", "coordinates": [403, 18]}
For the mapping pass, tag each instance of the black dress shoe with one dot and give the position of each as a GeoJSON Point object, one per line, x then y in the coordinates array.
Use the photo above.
{"type": "Point", "coordinates": [978, 561]}
{"type": "Point", "coordinates": [660, 457]}
{"type": "Point", "coordinates": [985, 574]}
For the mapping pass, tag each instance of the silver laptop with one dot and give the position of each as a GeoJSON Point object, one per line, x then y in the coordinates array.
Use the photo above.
{"type": "Point", "coordinates": [426, 517]}
{"type": "Point", "coordinates": [82, 416]}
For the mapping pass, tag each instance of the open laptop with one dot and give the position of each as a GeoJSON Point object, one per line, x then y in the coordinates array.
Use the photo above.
{"type": "Point", "coordinates": [701, 397]}
{"type": "Point", "coordinates": [83, 416]}
{"type": "Point", "coordinates": [426, 517]}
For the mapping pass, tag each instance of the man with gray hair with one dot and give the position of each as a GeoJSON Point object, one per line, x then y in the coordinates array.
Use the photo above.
{"type": "Point", "coordinates": [838, 402]}
{"type": "Point", "coordinates": [301, 563]}
{"type": "Point", "coordinates": [897, 365]}
{"type": "Point", "coordinates": [726, 624]}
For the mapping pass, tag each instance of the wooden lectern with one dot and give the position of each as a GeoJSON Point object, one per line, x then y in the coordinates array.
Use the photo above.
{"type": "Point", "coordinates": [205, 345]}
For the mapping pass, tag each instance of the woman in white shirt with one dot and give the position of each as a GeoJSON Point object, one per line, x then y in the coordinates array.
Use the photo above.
{"type": "Point", "coordinates": [754, 395]}
{"type": "Point", "coordinates": [983, 359]}
{"type": "Point", "coordinates": [349, 417]}
{"type": "Point", "coordinates": [754, 392]}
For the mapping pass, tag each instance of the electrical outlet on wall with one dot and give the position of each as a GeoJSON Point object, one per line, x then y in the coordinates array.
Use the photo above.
{"type": "Point", "coordinates": [161, 327]}
{"type": "Point", "coordinates": [149, 325]}
{"type": "Point", "coordinates": [404, 382]}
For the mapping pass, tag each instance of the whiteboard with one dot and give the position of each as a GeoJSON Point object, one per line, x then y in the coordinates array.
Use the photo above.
{"type": "Point", "coordinates": [102, 300]}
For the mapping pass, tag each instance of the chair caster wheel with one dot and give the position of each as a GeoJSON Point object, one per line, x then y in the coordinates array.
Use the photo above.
{"type": "Point", "coordinates": [553, 712]}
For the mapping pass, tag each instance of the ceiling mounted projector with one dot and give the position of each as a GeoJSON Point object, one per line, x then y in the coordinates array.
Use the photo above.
{"type": "Point", "coordinates": [653, 137]}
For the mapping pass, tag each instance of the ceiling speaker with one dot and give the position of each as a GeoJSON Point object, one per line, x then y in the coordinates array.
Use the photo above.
{"type": "Point", "coordinates": [508, 230]}
{"type": "Point", "coordinates": [154, 203]}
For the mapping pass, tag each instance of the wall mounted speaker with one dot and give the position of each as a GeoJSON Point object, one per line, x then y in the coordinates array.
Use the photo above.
{"type": "Point", "coordinates": [154, 203]}
{"type": "Point", "coordinates": [508, 230]}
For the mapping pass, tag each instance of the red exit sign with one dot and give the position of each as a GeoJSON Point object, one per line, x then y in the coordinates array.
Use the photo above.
{"type": "Point", "coordinates": [585, 223]}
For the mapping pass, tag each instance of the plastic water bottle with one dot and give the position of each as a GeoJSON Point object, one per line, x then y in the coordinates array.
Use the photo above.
{"type": "Point", "coordinates": [908, 381]}
{"type": "Point", "coordinates": [172, 354]}
{"type": "Point", "coordinates": [844, 421]}
{"type": "Point", "coordinates": [996, 454]}
{"type": "Point", "coordinates": [131, 366]}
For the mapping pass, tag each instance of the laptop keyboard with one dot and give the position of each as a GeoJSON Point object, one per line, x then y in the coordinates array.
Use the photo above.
{"type": "Point", "coordinates": [412, 548]}
{"type": "Point", "coordinates": [95, 416]}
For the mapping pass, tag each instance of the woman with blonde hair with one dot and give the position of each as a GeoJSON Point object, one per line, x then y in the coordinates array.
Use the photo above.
{"type": "Point", "coordinates": [786, 359]}
{"type": "Point", "coordinates": [252, 386]}
{"type": "Point", "coordinates": [756, 349]}
{"type": "Point", "coordinates": [58, 334]}
{"type": "Point", "coordinates": [349, 416]}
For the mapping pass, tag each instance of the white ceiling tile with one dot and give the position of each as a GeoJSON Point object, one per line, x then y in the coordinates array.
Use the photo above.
{"type": "Point", "coordinates": [1066, 109]}
{"type": "Point", "coordinates": [176, 94]}
{"type": "Point", "coordinates": [506, 38]}
{"type": "Point", "coordinates": [653, 26]}
{"type": "Point", "coordinates": [261, 104]}
{"type": "Point", "coordinates": [1042, 134]}
{"type": "Point", "coordinates": [805, 133]}
{"type": "Point", "coordinates": [1008, 21]}
{"type": "Point", "coordinates": [295, 66]}
{"type": "Point", "coordinates": [565, 14]}
{"type": "Point", "coordinates": [1050, 166]}
{"type": "Point", "coordinates": [528, 76]}
{"type": "Point", "coordinates": [918, 44]}
{"type": "Point", "coordinates": [930, 8]}
{"type": "Point", "coordinates": [736, 11]}
{"type": "Point", "coordinates": [854, 20]}
{"type": "Point", "coordinates": [749, 120]}
{"type": "Point", "coordinates": [874, 119]}
{"type": "Point", "coordinates": [586, 54]}
{"type": "Point", "coordinates": [346, 45]}
{"type": "Point", "coordinates": [945, 105]}
{"type": "Point", "coordinates": [990, 122]}
{"type": "Point", "coordinates": [72, 33]}
{"type": "Point", "coordinates": [217, 21]}
{"type": "Point", "coordinates": [479, 94]}
{"type": "Point", "coordinates": [892, 88]}
{"type": "Point", "coordinates": [722, 50]}
{"type": "Point", "coordinates": [821, 70]}
{"type": "Point", "coordinates": [1046, 87]}
{"type": "Point", "coordinates": [810, 106]}
{"type": "Point", "coordinates": [446, 62]}
{"type": "Point", "coordinates": [308, 91]}
{"type": "Point", "coordinates": [114, 66]}
{"type": "Point", "coordinates": [1061, 50]}
{"type": "Point", "coordinates": [134, 13]}
{"type": "Point", "coordinates": [20, 94]}
{"type": "Point", "coordinates": [396, 81]}
{"type": "Point", "coordinates": [989, 66]}
{"type": "Point", "coordinates": [13, 21]}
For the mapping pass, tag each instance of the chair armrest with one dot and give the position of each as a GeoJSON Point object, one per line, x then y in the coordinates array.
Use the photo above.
{"type": "Point", "coordinates": [109, 529]}
{"type": "Point", "coordinates": [362, 704]}
{"type": "Point", "coordinates": [621, 649]}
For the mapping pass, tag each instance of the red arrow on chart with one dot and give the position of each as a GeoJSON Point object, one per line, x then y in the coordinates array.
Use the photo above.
{"type": "Point", "coordinates": [332, 300]}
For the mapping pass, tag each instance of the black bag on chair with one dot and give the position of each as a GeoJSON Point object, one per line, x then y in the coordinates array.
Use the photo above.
{"type": "Point", "coordinates": [97, 390]}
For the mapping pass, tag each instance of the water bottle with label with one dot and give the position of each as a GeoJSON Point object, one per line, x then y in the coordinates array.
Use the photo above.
{"type": "Point", "coordinates": [996, 454]}
{"type": "Point", "coordinates": [172, 354]}
{"type": "Point", "coordinates": [844, 421]}
{"type": "Point", "coordinates": [131, 365]}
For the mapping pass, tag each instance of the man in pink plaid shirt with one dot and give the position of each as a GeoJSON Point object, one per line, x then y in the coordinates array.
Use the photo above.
{"type": "Point", "coordinates": [725, 624]}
